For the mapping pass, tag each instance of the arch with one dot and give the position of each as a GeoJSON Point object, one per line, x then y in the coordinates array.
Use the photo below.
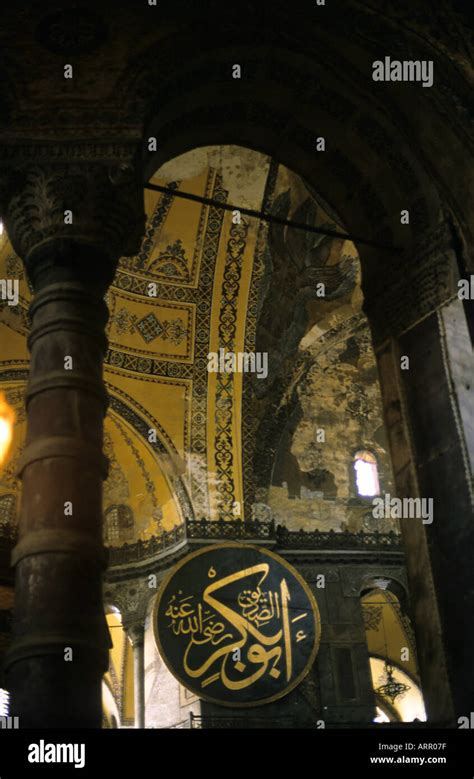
{"type": "Point", "coordinates": [389, 583]}
{"type": "Point", "coordinates": [329, 89]}
{"type": "Point", "coordinates": [134, 415]}
{"type": "Point", "coordinates": [390, 642]}
{"type": "Point", "coordinates": [304, 80]}
{"type": "Point", "coordinates": [409, 707]}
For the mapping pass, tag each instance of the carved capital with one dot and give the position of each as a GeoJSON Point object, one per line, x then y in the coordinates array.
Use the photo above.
{"type": "Point", "coordinates": [136, 633]}
{"type": "Point", "coordinates": [68, 212]}
{"type": "Point", "coordinates": [131, 598]}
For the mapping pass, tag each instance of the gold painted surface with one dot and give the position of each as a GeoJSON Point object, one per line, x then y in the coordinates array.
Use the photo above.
{"type": "Point", "coordinates": [119, 678]}
{"type": "Point", "coordinates": [388, 631]}
{"type": "Point", "coordinates": [202, 267]}
{"type": "Point", "coordinates": [154, 328]}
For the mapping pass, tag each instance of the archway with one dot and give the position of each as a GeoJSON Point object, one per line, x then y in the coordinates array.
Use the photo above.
{"type": "Point", "coordinates": [401, 300]}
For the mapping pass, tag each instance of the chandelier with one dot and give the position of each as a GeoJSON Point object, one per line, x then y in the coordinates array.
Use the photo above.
{"type": "Point", "coordinates": [391, 688]}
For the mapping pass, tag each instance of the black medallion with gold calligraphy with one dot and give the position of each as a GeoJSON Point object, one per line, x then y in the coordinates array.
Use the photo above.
{"type": "Point", "coordinates": [236, 624]}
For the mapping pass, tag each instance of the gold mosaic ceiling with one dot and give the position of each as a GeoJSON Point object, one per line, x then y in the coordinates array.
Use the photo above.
{"type": "Point", "coordinates": [205, 273]}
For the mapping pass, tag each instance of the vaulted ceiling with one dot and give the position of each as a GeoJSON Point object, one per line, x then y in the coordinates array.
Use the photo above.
{"type": "Point", "coordinates": [183, 441]}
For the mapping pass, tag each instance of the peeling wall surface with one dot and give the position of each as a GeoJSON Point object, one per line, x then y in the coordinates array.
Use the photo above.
{"type": "Point", "coordinates": [313, 481]}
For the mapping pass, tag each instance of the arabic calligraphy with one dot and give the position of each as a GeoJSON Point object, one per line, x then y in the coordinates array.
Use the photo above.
{"type": "Point", "coordinates": [239, 633]}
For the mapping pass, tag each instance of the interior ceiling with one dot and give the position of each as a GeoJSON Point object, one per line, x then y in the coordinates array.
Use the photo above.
{"type": "Point", "coordinates": [163, 71]}
{"type": "Point", "coordinates": [218, 285]}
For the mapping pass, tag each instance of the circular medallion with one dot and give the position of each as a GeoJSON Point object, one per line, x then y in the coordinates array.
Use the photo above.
{"type": "Point", "coordinates": [236, 624]}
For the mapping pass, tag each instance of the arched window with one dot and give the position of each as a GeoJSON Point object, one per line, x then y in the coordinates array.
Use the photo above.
{"type": "Point", "coordinates": [367, 480]}
{"type": "Point", "coordinates": [118, 524]}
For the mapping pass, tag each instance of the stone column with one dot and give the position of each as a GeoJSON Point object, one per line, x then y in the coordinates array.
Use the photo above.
{"type": "Point", "coordinates": [136, 634]}
{"type": "Point", "coordinates": [69, 222]}
{"type": "Point", "coordinates": [429, 416]}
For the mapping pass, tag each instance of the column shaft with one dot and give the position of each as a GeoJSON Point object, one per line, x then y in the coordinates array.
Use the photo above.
{"type": "Point", "coordinates": [60, 639]}
{"type": "Point", "coordinates": [69, 217]}
{"type": "Point", "coordinates": [139, 681]}
{"type": "Point", "coordinates": [429, 411]}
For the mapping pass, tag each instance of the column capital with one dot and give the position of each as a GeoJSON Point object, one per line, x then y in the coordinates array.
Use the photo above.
{"type": "Point", "coordinates": [72, 207]}
{"type": "Point", "coordinates": [135, 632]}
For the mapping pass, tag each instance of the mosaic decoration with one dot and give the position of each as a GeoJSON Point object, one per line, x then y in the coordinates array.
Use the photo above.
{"type": "Point", "coordinates": [248, 419]}
{"type": "Point", "coordinates": [225, 381]}
{"type": "Point", "coordinates": [152, 232]}
{"type": "Point", "coordinates": [199, 455]}
{"type": "Point", "coordinates": [171, 263]}
{"type": "Point", "coordinates": [203, 266]}
{"type": "Point", "coordinates": [150, 328]}
{"type": "Point", "coordinates": [372, 616]}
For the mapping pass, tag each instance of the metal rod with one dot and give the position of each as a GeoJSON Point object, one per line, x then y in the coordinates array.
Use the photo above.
{"type": "Point", "coordinates": [268, 217]}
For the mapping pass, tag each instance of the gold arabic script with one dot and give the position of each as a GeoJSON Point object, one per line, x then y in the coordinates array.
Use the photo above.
{"type": "Point", "coordinates": [238, 635]}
